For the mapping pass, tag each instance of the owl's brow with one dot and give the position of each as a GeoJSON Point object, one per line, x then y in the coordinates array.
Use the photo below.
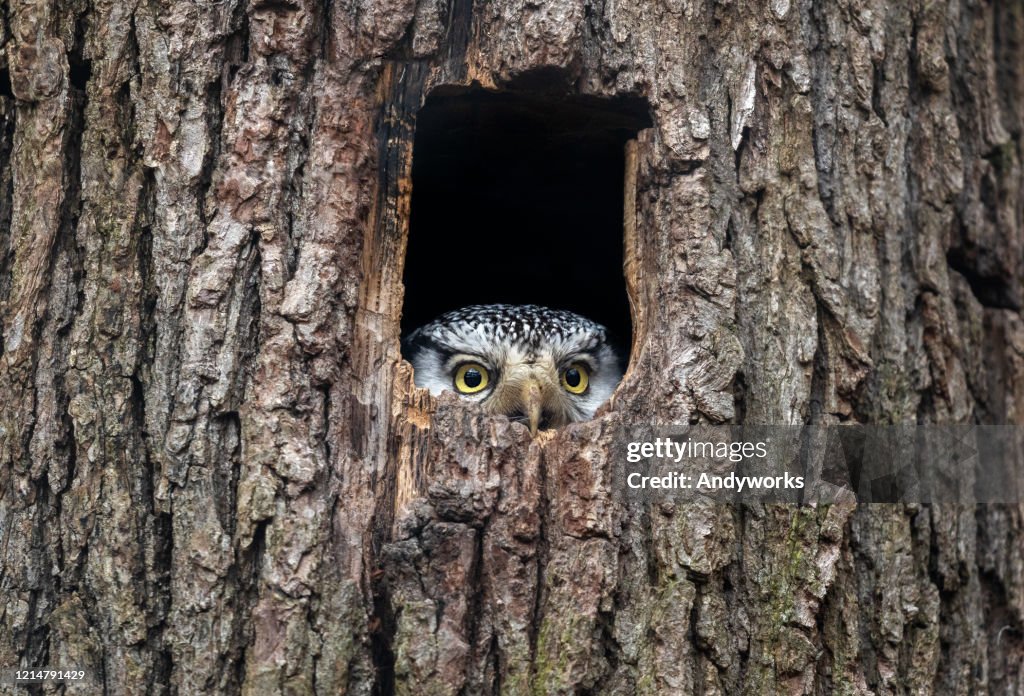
{"type": "Point", "coordinates": [579, 356]}
{"type": "Point", "coordinates": [447, 351]}
{"type": "Point", "coordinates": [457, 358]}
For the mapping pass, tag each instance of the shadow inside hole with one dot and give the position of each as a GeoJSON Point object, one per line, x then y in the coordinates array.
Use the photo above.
{"type": "Point", "coordinates": [518, 198]}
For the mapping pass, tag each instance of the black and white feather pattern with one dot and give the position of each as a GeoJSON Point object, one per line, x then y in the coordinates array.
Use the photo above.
{"type": "Point", "coordinates": [501, 335]}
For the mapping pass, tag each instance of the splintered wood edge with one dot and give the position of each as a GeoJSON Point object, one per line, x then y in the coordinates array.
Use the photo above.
{"type": "Point", "coordinates": [632, 258]}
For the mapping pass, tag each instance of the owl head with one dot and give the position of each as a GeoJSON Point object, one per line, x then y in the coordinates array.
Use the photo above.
{"type": "Point", "coordinates": [539, 366]}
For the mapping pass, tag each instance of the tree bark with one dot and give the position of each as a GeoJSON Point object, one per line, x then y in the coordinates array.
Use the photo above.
{"type": "Point", "coordinates": [217, 476]}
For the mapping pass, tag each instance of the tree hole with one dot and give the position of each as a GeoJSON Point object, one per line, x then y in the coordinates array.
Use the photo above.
{"type": "Point", "coordinates": [518, 198]}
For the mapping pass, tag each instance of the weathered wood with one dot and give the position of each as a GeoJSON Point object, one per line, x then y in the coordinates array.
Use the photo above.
{"type": "Point", "coordinates": [218, 478]}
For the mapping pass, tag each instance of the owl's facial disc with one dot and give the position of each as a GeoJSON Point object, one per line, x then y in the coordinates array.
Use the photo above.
{"type": "Point", "coordinates": [529, 392]}
{"type": "Point", "coordinates": [544, 368]}
{"type": "Point", "coordinates": [540, 393]}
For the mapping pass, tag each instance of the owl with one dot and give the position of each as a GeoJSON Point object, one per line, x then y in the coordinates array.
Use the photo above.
{"type": "Point", "coordinates": [541, 367]}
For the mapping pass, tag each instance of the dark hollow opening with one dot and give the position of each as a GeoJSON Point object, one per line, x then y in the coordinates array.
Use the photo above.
{"type": "Point", "coordinates": [518, 198]}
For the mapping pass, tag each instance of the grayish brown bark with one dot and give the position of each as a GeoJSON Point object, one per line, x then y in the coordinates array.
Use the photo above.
{"type": "Point", "coordinates": [218, 478]}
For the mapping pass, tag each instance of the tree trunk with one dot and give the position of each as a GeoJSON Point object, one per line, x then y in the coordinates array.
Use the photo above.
{"type": "Point", "coordinates": [217, 476]}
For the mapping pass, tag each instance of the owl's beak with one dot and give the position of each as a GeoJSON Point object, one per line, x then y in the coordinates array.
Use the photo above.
{"type": "Point", "coordinates": [529, 395]}
{"type": "Point", "coordinates": [533, 403]}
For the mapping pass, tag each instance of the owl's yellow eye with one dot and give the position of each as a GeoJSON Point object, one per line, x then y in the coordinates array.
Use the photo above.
{"type": "Point", "coordinates": [575, 378]}
{"type": "Point", "coordinates": [471, 378]}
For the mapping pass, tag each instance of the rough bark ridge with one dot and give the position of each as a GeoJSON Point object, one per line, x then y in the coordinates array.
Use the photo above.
{"type": "Point", "coordinates": [217, 478]}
